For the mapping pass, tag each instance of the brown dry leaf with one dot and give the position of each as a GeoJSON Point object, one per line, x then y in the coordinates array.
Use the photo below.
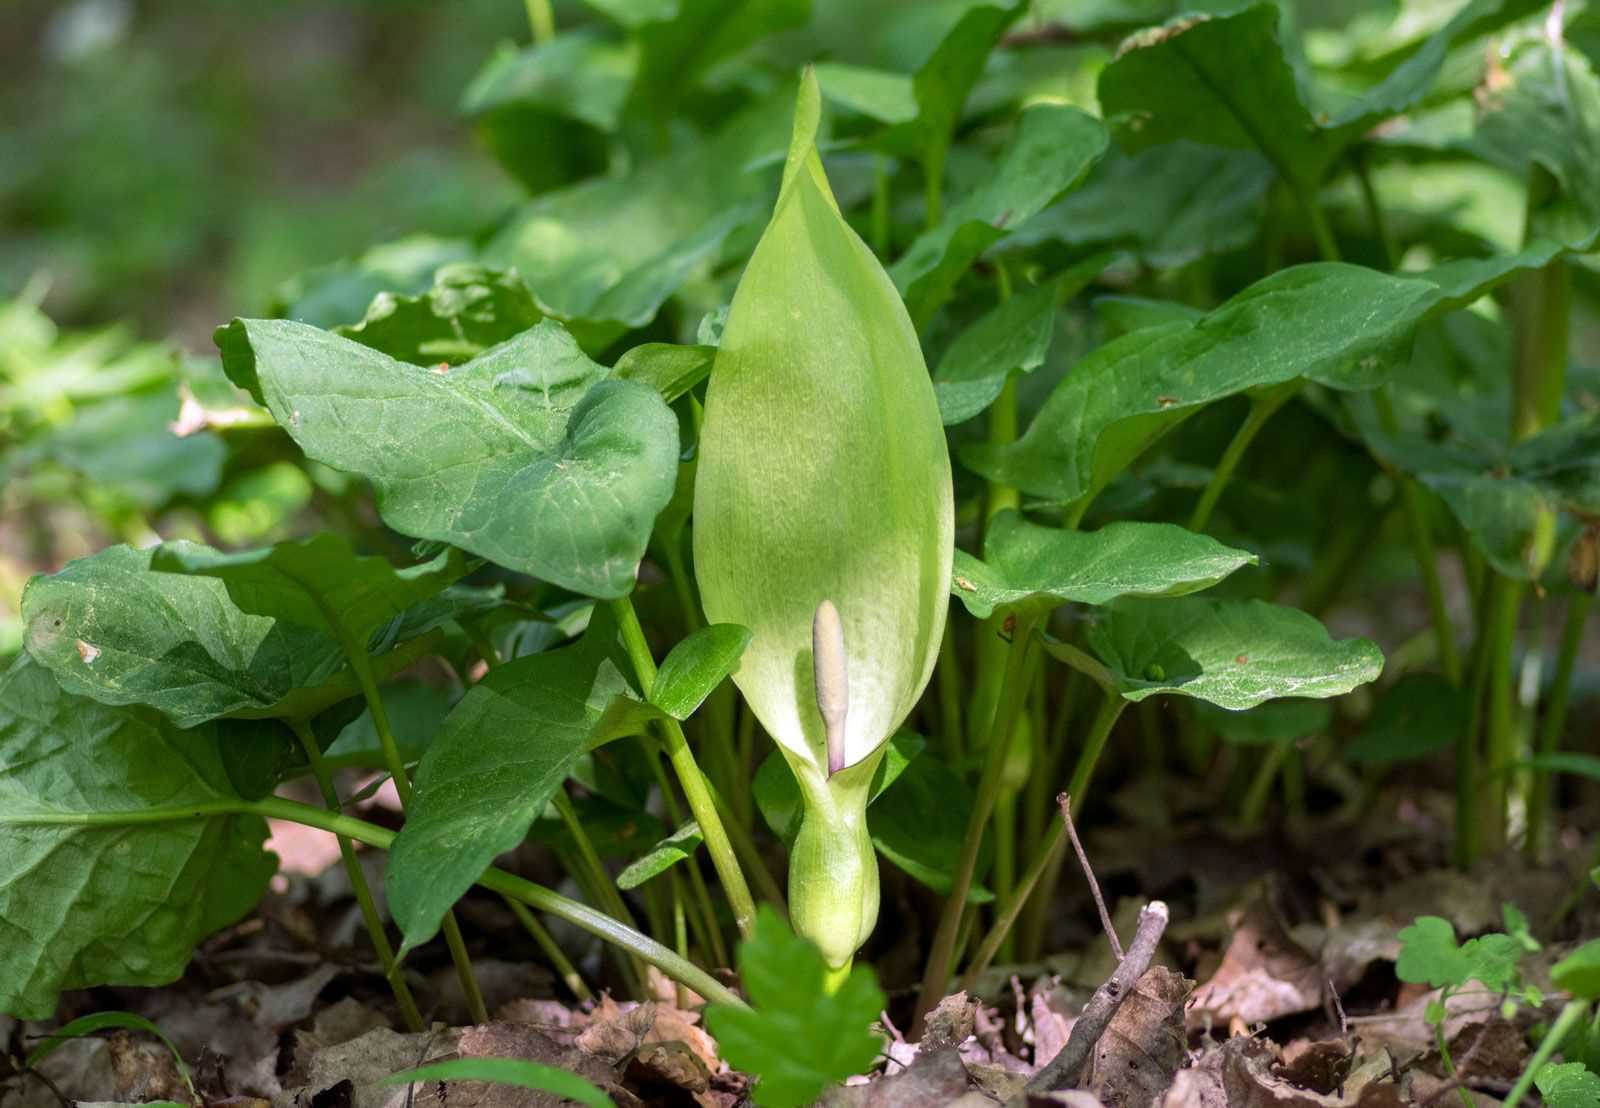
{"type": "Point", "coordinates": [143, 1070]}
{"type": "Point", "coordinates": [1071, 1098]}
{"type": "Point", "coordinates": [1144, 1044]}
{"type": "Point", "coordinates": [1053, 1012]}
{"type": "Point", "coordinates": [934, 1078]}
{"type": "Point", "coordinates": [362, 1064]}
{"type": "Point", "coordinates": [616, 1030]}
{"type": "Point", "coordinates": [1321, 1065]}
{"type": "Point", "coordinates": [1264, 974]}
{"type": "Point", "coordinates": [1248, 1081]}
{"type": "Point", "coordinates": [507, 1040]}
{"type": "Point", "coordinates": [951, 1022]}
{"type": "Point", "coordinates": [80, 1068]}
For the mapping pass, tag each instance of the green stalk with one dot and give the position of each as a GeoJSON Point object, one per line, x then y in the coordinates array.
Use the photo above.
{"type": "Point", "coordinates": [695, 790]}
{"type": "Point", "coordinates": [1254, 804]}
{"type": "Point", "coordinates": [1565, 1022]}
{"type": "Point", "coordinates": [547, 944]}
{"type": "Point", "coordinates": [358, 882]}
{"type": "Point", "coordinates": [538, 897]}
{"type": "Point", "coordinates": [880, 206]}
{"type": "Point", "coordinates": [1555, 718]}
{"type": "Point", "coordinates": [1008, 707]}
{"type": "Point", "coordinates": [1369, 197]}
{"type": "Point", "coordinates": [705, 912]}
{"type": "Point", "coordinates": [541, 21]}
{"type": "Point", "coordinates": [680, 929]}
{"type": "Point", "coordinates": [1467, 757]}
{"type": "Point", "coordinates": [1321, 232]}
{"type": "Point", "coordinates": [750, 856]}
{"type": "Point", "coordinates": [1046, 864]}
{"type": "Point", "coordinates": [1443, 1045]}
{"type": "Point", "coordinates": [1262, 406]}
{"type": "Point", "coordinates": [606, 896]}
{"type": "Point", "coordinates": [1500, 745]}
{"type": "Point", "coordinates": [948, 675]}
{"type": "Point", "coordinates": [933, 185]}
{"type": "Point", "coordinates": [361, 665]}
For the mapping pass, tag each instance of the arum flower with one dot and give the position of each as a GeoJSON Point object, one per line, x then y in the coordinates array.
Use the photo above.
{"type": "Point", "coordinates": [824, 522]}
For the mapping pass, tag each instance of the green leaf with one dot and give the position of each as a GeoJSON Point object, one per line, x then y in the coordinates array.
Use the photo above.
{"type": "Point", "coordinates": [1339, 325]}
{"type": "Point", "coordinates": [1028, 567]}
{"type": "Point", "coordinates": [319, 583]}
{"type": "Point", "coordinates": [1429, 955]}
{"type": "Point", "coordinates": [111, 628]}
{"type": "Point", "coordinates": [416, 712]}
{"type": "Point", "coordinates": [1568, 1085]}
{"type": "Point", "coordinates": [501, 754]}
{"type": "Point", "coordinates": [942, 83]}
{"type": "Point", "coordinates": [696, 666]}
{"type": "Point", "coordinates": [525, 455]}
{"type": "Point", "coordinates": [676, 847]}
{"type": "Point", "coordinates": [1171, 204]}
{"type": "Point", "coordinates": [670, 370]}
{"type": "Point", "coordinates": [1517, 928]}
{"type": "Point", "coordinates": [1564, 761]}
{"type": "Point", "coordinates": [580, 73]}
{"type": "Point", "coordinates": [1579, 972]}
{"type": "Point", "coordinates": [1497, 492]}
{"type": "Point", "coordinates": [1014, 336]}
{"type": "Point", "coordinates": [611, 250]}
{"type": "Point", "coordinates": [1233, 653]}
{"type": "Point", "coordinates": [117, 851]}
{"type": "Point", "coordinates": [468, 310]}
{"type": "Point", "coordinates": [681, 43]}
{"type": "Point", "coordinates": [918, 822]}
{"type": "Point", "coordinates": [100, 1021]}
{"type": "Point", "coordinates": [1418, 715]}
{"type": "Point", "coordinates": [1052, 148]}
{"type": "Point", "coordinates": [880, 94]}
{"type": "Point", "coordinates": [799, 1037]}
{"type": "Point", "coordinates": [508, 1071]}
{"type": "Point", "coordinates": [124, 444]}
{"type": "Point", "coordinates": [1228, 81]}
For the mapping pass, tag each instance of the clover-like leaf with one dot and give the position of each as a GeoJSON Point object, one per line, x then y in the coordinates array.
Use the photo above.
{"type": "Point", "coordinates": [527, 455]}
{"type": "Point", "coordinates": [1429, 955]}
{"type": "Point", "coordinates": [1029, 567]}
{"type": "Point", "coordinates": [111, 628]}
{"type": "Point", "coordinates": [799, 1037]}
{"type": "Point", "coordinates": [1233, 653]}
{"type": "Point", "coordinates": [117, 849]}
{"type": "Point", "coordinates": [1568, 1085]}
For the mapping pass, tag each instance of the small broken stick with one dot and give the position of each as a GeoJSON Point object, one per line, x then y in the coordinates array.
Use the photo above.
{"type": "Point", "coordinates": [1065, 1068]}
{"type": "Point", "coordinates": [1065, 802]}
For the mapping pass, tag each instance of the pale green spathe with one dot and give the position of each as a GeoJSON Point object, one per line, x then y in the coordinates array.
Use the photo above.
{"type": "Point", "coordinates": [823, 473]}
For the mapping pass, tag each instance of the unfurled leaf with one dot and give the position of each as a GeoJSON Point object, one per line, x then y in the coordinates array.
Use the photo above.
{"type": "Point", "coordinates": [696, 666]}
{"type": "Point", "coordinates": [1033, 568]}
{"type": "Point", "coordinates": [527, 455]}
{"type": "Point", "coordinates": [670, 370]}
{"type": "Point", "coordinates": [111, 628]}
{"type": "Point", "coordinates": [117, 851]}
{"type": "Point", "coordinates": [508, 1071]}
{"type": "Point", "coordinates": [799, 1037]}
{"type": "Point", "coordinates": [502, 753]}
{"type": "Point", "coordinates": [1418, 715]}
{"type": "Point", "coordinates": [1050, 151]}
{"type": "Point", "coordinates": [1579, 972]}
{"type": "Point", "coordinates": [319, 583]}
{"type": "Point", "coordinates": [1233, 653]}
{"type": "Point", "coordinates": [1340, 325]}
{"type": "Point", "coordinates": [1429, 955]}
{"type": "Point", "coordinates": [468, 310]}
{"type": "Point", "coordinates": [676, 847]}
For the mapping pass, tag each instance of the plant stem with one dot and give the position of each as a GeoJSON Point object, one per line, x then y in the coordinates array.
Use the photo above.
{"type": "Point", "coordinates": [1369, 197]}
{"type": "Point", "coordinates": [1262, 405]}
{"type": "Point", "coordinates": [933, 186]}
{"type": "Point", "coordinates": [1254, 805]}
{"type": "Point", "coordinates": [1007, 708]}
{"type": "Point", "coordinates": [1467, 752]}
{"type": "Point", "coordinates": [705, 913]}
{"type": "Point", "coordinates": [606, 896]}
{"type": "Point", "coordinates": [880, 206]}
{"type": "Point", "coordinates": [1443, 1046]}
{"type": "Point", "coordinates": [1500, 745]}
{"type": "Point", "coordinates": [534, 896]}
{"type": "Point", "coordinates": [695, 790]}
{"type": "Point", "coordinates": [1569, 1017]}
{"type": "Point", "coordinates": [358, 882]}
{"type": "Point", "coordinates": [547, 944]}
{"type": "Point", "coordinates": [950, 694]}
{"type": "Point", "coordinates": [1555, 718]}
{"type": "Point", "coordinates": [361, 664]}
{"type": "Point", "coordinates": [541, 21]}
{"type": "Point", "coordinates": [1046, 864]}
{"type": "Point", "coordinates": [1321, 232]}
{"type": "Point", "coordinates": [750, 855]}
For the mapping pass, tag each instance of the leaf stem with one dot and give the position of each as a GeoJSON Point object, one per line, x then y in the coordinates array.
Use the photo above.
{"type": "Point", "coordinates": [695, 789]}
{"type": "Point", "coordinates": [547, 944]}
{"type": "Point", "coordinates": [358, 881]}
{"type": "Point", "coordinates": [1262, 406]}
{"type": "Point", "coordinates": [1570, 1015]}
{"type": "Point", "coordinates": [1008, 706]}
{"type": "Point", "coordinates": [605, 894]}
{"type": "Point", "coordinates": [1555, 717]}
{"type": "Point", "coordinates": [582, 916]}
{"type": "Point", "coordinates": [541, 21]}
{"type": "Point", "coordinates": [1500, 745]}
{"type": "Point", "coordinates": [1048, 860]}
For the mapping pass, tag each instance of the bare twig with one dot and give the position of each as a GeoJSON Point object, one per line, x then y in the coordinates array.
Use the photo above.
{"type": "Point", "coordinates": [1065, 802]}
{"type": "Point", "coordinates": [1063, 1070]}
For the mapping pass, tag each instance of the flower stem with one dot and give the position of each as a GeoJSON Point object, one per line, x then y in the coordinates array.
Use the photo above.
{"type": "Point", "coordinates": [695, 789]}
{"type": "Point", "coordinates": [358, 881]}
{"type": "Point", "coordinates": [534, 896]}
{"type": "Point", "coordinates": [1008, 706]}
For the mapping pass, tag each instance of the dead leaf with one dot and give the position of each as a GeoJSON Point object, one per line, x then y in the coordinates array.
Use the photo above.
{"type": "Point", "coordinates": [950, 1023]}
{"type": "Point", "coordinates": [936, 1077]}
{"type": "Point", "coordinates": [144, 1070]}
{"type": "Point", "coordinates": [616, 1031]}
{"type": "Point", "coordinates": [1053, 1013]}
{"type": "Point", "coordinates": [1264, 974]}
{"type": "Point", "coordinates": [1319, 1065]}
{"type": "Point", "coordinates": [362, 1064]}
{"type": "Point", "coordinates": [1144, 1044]}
